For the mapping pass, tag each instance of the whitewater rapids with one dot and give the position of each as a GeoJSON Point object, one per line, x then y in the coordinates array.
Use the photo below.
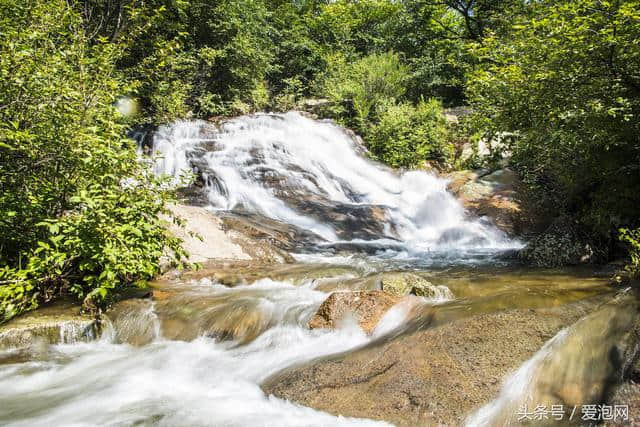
{"type": "Point", "coordinates": [312, 175]}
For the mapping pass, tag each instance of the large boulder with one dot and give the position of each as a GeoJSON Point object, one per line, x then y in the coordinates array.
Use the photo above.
{"type": "Point", "coordinates": [432, 376]}
{"type": "Point", "coordinates": [367, 307]}
{"type": "Point", "coordinates": [562, 243]}
{"type": "Point", "coordinates": [400, 284]}
{"type": "Point", "coordinates": [496, 195]}
{"type": "Point", "coordinates": [209, 237]}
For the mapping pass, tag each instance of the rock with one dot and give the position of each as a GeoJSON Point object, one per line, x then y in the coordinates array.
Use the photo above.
{"type": "Point", "coordinates": [133, 321]}
{"type": "Point", "coordinates": [401, 284]}
{"type": "Point", "coordinates": [317, 106]}
{"type": "Point", "coordinates": [53, 324]}
{"type": "Point", "coordinates": [368, 307]}
{"type": "Point", "coordinates": [562, 243]}
{"type": "Point", "coordinates": [579, 366]}
{"type": "Point", "coordinates": [432, 376]}
{"type": "Point", "coordinates": [208, 237]}
{"type": "Point", "coordinates": [487, 150]}
{"type": "Point", "coordinates": [497, 196]}
{"type": "Point", "coordinates": [266, 239]}
{"type": "Point", "coordinates": [627, 395]}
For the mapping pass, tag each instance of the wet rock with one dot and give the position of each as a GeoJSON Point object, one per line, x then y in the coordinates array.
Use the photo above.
{"type": "Point", "coordinates": [433, 376]}
{"type": "Point", "coordinates": [562, 243]}
{"type": "Point", "coordinates": [259, 235]}
{"type": "Point", "coordinates": [319, 106]}
{"type": "Point", "coordinates": [238, 322]}
{"type": "Point", "coordinates": [497, 196]}
{"type": "Point", "coordinates": [579, 366]}
{"type": "Point", "coordinates": [400, 284]}
{"type": "Point", "coordinates": [54, 324]}
{"type": "Point", "coordinates": [208, 237]}
{"type": "Point", "coordinates": [133, 322]}
{"type": "Point", "coordinates": [494, 195]}
{"type": "Point", "coordinates": [367, 307]}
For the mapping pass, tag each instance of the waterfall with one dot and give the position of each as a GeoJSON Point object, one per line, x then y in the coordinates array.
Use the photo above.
{"type": "Point", "coordinates": [313, 175]}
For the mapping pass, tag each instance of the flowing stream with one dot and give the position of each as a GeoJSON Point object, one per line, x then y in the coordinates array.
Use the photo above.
{"type": "Point", "coordinates": [315, 176]}
{"type": "Point", "coordinates": [197, 355]}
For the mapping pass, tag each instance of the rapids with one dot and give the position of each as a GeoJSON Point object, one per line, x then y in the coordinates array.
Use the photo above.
{"type": "Point", "coordinates": [314, 175]}
{"type": "Point", "coordinates": [198, 355]}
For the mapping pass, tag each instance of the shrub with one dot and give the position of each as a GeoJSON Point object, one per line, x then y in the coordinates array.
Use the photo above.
{"type": "Point", "coordinates": [632, 239]}
{"type": "Point", "coordinates": [355, 89]}
{"type": "Point", "coordinates": [406, 136]}
{"type": "Point", "coordinates": [79, 214]}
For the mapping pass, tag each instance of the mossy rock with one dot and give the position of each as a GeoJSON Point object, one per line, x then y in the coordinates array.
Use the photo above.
{"type": "Point", "coordinates": [401, 284]}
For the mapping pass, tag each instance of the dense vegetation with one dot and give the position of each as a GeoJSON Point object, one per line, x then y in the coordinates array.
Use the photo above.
{"type": "Point", "coordinates": [564, 83]}
{"type": "Point", "coordinates": [558, 81]}
{"type": "Point", "coordinates": [78, 212]}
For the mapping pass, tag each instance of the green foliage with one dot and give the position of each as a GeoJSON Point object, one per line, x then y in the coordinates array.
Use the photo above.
{"type": "Point", "coordinates": [632, 239]}
{"type": "Point", "coordinates": [79, 213]}
{"type": "Point", "coordinates": [360, 27]}
{"type": "Point", "coordinates": [406, 136]}
{"type": "Point", "coordinates": [197, 57]}
{"type": "Point", "coordinates": [356, 88]}
{"type": "Point", "coordinates": [563, 80]}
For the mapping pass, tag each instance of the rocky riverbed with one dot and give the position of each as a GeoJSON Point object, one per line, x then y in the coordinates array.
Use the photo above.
{"type": "Point", "coordinates": [332, 291]}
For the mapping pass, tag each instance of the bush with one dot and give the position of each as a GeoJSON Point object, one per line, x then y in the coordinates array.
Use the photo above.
{"type": "Point", "coordinates": [355, 89]}
{"type": "Point", "coordinates": [406, 136]}
{"type": "Point", "coordinates": [79, 214]}
{"type": "Point", "coordinates": [632, 239]}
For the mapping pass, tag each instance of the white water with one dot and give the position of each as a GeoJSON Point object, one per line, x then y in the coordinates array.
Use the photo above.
{"type": "Point", "coordinates": [169, 383]}
{"type": "Point", "coordinates": [318, 161]}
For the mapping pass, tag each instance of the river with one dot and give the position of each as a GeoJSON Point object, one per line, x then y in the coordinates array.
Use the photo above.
{"type": "Point", "coordinates": [199, 355]}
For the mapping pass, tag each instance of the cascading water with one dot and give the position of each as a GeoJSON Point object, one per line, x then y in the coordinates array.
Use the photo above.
{"type": "Point", "coordinates": [198, 353]}
{"type": "Point", "coordinates": [313, 175]}
{"type": "Point", "coordinates": [166, 382]}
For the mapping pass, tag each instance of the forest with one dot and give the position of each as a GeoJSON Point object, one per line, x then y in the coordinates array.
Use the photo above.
{"type": "Point", "coordinates": [557, 82]}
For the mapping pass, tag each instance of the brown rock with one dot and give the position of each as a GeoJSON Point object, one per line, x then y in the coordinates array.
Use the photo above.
{"type": "Point", "coordinates": [433, 376]}
{"type": "Point", "coordinates": [368, 307]}
{"type": "Point", "coordinates": [498, 196]}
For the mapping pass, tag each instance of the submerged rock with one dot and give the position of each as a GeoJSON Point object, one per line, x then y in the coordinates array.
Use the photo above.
{"type": "Point", "coordinates": [133, 321]}
{"type": "Point", "coordinates": [367, 307]}
{"type": "Point", "coordinates": [54, 324]}
{"type": "Point", "coordinates": [401, 284]}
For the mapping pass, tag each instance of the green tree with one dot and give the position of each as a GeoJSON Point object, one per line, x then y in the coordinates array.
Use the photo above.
{"type": "Point", "coordinates": [356, 88]}
{"type": "Point", "coordinates": [406, 136]}
{"type": "Point", "coordinates": [79, 214]}
{"type": "Point", "coordinates": [564, 83]}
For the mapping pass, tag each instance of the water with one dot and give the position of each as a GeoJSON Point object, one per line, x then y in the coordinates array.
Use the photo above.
{"type": "Point", "coordinates": [173, 382]}
{"type": "Point", "coordinates": [313, 175]}
{"type": "Point", "coordinates": [197, 354]}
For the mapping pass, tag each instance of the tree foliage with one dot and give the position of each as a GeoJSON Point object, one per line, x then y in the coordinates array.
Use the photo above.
{"type": "Point", "coordinates": [564, 82]}
{"type": "Point", "coordinates": [79, 213]}
{"type": "Point", "coordinates": [406, 136]}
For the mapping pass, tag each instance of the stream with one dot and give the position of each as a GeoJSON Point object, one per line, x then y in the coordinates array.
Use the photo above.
{"type": "Point", "coordinates": [199, 353]}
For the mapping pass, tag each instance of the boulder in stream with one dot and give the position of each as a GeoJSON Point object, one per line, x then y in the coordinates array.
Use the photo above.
{"type": "Point", "coordinates": [401, 284]}
{"type": "Point", "coordinates": [53, 324]}
{"type": "Point", "coordinates": [562, 243]}
{"type": "Point", "coordinates": [368, 307]}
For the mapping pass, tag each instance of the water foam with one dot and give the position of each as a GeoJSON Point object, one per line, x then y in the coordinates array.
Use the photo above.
{"type": "Point", "coordinates": [199, 383]}
{"type": "Point", "coordinates": [269, 164]}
